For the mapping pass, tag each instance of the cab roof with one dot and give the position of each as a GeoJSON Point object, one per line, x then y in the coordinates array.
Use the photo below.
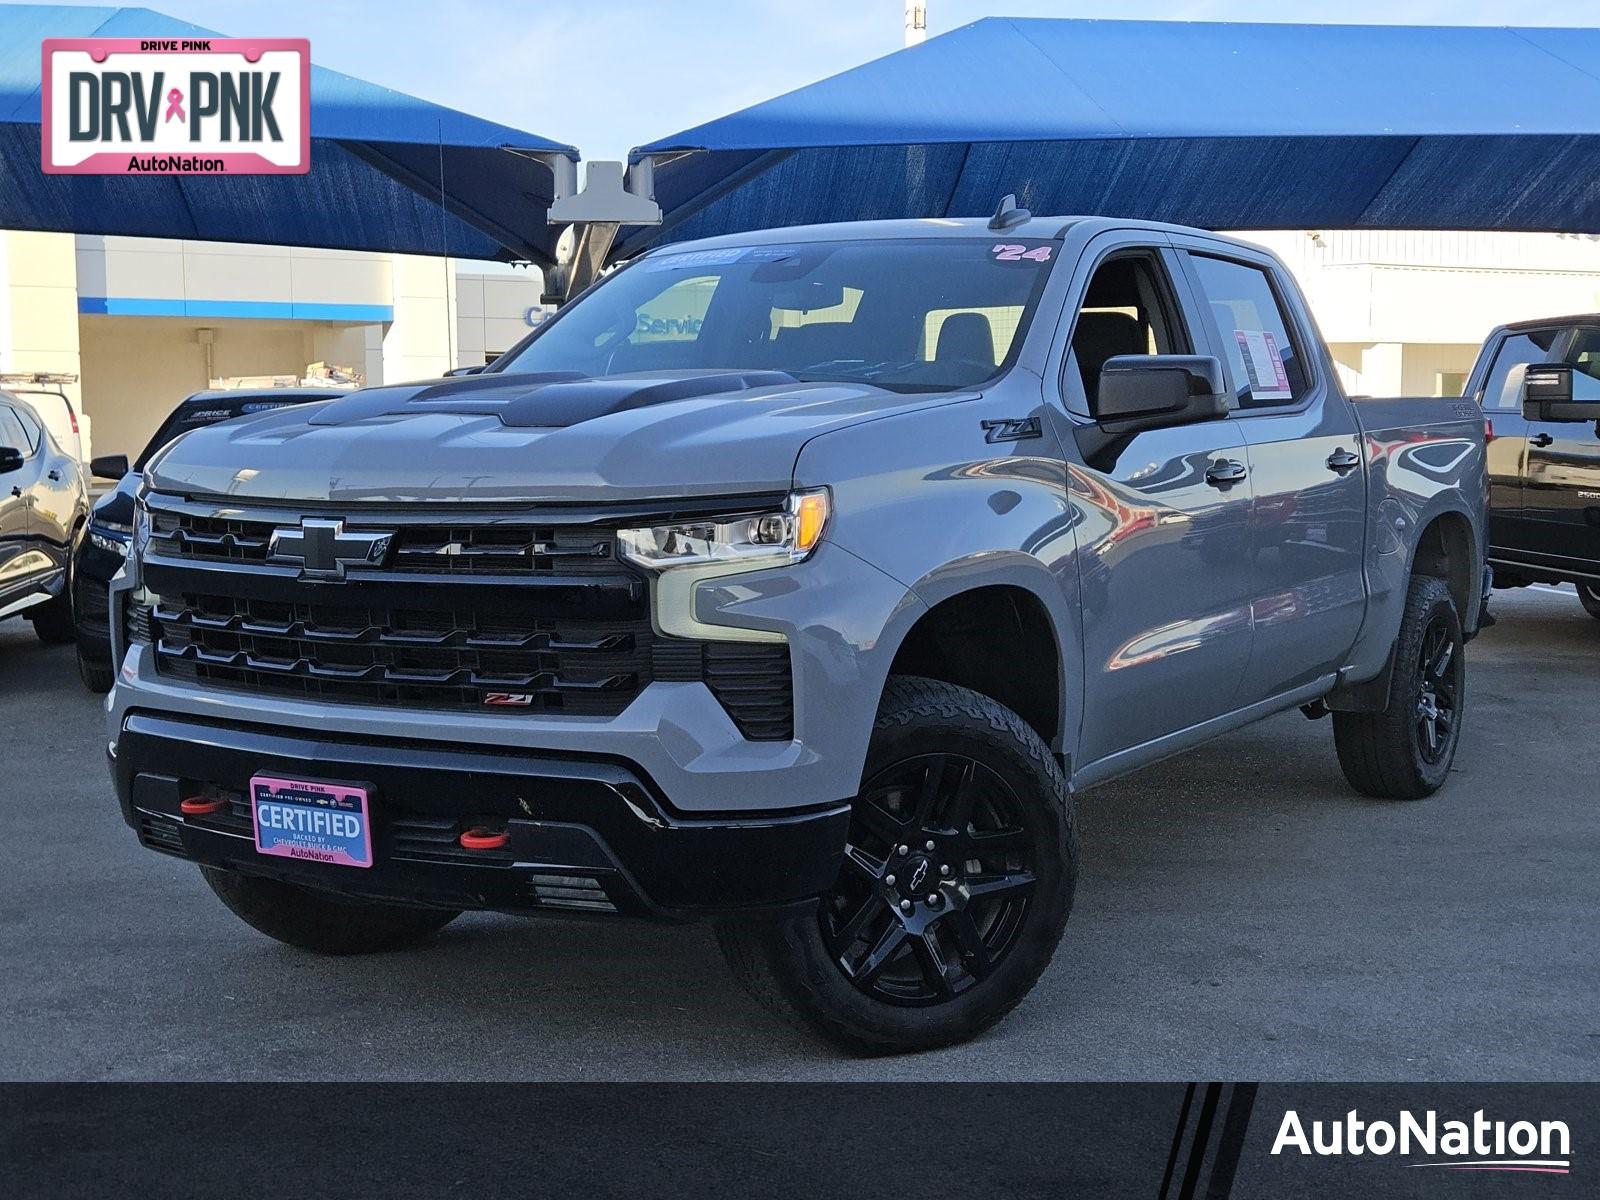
{"type": "Point", "coordinates": [1045, 227]}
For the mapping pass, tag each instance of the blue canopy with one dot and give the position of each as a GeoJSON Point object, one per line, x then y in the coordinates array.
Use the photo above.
{"type": "Point", "coordinates": [1240, 126]}
{"type": "Point", "coordinates": [380, 161]}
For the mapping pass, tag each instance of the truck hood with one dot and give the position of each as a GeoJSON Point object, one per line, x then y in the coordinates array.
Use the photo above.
{"type": "Point", "coordinates": [528, 438]}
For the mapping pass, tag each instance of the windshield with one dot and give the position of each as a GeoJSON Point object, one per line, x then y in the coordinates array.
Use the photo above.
{"type": "Point", "coordinates": [909, 315]}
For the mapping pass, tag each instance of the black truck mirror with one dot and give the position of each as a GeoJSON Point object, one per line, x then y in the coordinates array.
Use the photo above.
{"type": "Point", "coordinates": [1155, 391]}
{"type": "Point", "coordinates": [108, 466]}
{"type": "Point", "coordinates": [10, 460]}
{"type": "Point", "coordinates": [1547, 395]}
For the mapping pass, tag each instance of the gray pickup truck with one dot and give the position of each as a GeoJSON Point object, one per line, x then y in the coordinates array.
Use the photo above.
{"type": "Point", "coordinates": [796, 579]}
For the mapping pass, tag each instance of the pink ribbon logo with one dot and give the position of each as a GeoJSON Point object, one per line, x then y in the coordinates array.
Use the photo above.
{"type": "Point", "coordinates": [175, 106]}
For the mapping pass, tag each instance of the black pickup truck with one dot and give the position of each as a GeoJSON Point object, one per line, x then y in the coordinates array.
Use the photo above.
{"type": "Point", "coordinates": [1539, 385]}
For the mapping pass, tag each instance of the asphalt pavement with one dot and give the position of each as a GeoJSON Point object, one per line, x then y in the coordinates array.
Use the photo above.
{"type": "Point", "coordinates": [1242, 914]}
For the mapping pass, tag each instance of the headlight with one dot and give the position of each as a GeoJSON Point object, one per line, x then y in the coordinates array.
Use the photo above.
{"type": "Point", "coordinates": [111, 538]}
{"type": "Point", "coordinates": [760, 540]}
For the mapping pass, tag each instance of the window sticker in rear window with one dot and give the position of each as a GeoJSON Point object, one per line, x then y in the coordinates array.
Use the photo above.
{"type": "Point", "coordinates": [1269, 380]}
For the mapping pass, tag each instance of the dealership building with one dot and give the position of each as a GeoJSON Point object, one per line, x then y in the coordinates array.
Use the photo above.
{"type": "Point", "coordinates": [143, 322]}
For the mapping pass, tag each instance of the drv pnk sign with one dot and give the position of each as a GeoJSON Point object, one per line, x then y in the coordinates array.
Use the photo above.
{"type": "Point", "coordinates": [171, 106]}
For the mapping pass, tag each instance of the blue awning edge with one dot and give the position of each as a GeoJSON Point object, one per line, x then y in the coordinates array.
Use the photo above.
{"type": "Point", "coordinates": [389, 171]}
{"type": "Point", "coordinates": [1221, 125]}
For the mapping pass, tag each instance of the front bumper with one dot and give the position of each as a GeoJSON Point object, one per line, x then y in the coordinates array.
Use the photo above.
{"type": "Point", "coordinates": [586, 834]}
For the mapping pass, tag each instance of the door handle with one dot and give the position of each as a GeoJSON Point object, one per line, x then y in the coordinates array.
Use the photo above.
{"type": "Point", "coordinates": [1225, 472]}
{"type": "Point", "coordinates": [53, 474]}
{"type": "Point", "coordinates": [16, 491]}
{"type": "Point", "coordinates": [1342, 461]}
{"type": "Point", "coordinates": [1541, 439]}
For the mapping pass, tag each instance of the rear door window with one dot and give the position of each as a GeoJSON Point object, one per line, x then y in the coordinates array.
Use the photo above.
{"type": "Point", "coordinates": [1269, 369]}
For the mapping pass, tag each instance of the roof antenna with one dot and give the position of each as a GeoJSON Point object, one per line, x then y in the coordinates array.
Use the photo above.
{"type": "Point", "coordinates": [1008, 214]}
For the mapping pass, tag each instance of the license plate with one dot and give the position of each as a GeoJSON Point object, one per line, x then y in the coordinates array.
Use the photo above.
{"type": "Point", "coordinates": [316, 821]}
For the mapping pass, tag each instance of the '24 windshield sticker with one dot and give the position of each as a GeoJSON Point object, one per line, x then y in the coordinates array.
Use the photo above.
{"type": "Point", "coordinates": [1018, 252]}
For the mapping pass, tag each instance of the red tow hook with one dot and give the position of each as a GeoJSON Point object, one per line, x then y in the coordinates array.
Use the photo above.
{"type": "Point", "coordinates": [482, 837]}
{"type": "Point", "coordinates": [201, 806]}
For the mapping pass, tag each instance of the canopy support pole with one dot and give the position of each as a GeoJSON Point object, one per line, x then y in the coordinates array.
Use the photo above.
{"type": "Point", "coordinates": [591, 246]}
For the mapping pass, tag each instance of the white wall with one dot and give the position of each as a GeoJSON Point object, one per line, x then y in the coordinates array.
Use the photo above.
{"type": "Point", "coordinates": [421, 342]}
{"type": "Point", "coordinates": [492, 310]}
{"type": "Point", "coordinates": [1398, 307]}
{"type": "Point", "coordinates": [39, 313]}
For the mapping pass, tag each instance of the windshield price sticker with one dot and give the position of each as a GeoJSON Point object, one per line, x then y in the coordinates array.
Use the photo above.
{"type": "Point", "coordinates": [717, 258]}
{"type": "Point", "coordinates": [170, 106]}
{"type": "Point", "coordinates": [1269, 380]}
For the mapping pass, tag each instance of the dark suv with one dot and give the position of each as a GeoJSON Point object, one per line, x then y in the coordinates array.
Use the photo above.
{"type": "Point", "coordinates": [99, 555]}
{"type": "Point", "coordinates": [1544, 452]}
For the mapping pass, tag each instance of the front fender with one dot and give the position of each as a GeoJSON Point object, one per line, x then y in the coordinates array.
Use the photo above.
{"type": "Point", "coordinates": [926, 499]}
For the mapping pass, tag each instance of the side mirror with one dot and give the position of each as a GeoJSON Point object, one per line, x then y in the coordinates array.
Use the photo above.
{"type": "Point", "coordinates": [1156, 391]}
{"type": "Point", "coordinates": [10, 460]}
{"type": "Point", "coordinates": [454, 371]}
{"type": "Point", "coordinates": [109, 466]}
{"type": "Point", "coordinates": [1547, 395]}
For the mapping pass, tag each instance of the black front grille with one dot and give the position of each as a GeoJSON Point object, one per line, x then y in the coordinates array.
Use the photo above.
{"type": "Point", "coordinates": [430, 658]}
{"type": "Point", "coordinates": [491, 548]}
{"type": "Point", "coordinates": [502, 616]}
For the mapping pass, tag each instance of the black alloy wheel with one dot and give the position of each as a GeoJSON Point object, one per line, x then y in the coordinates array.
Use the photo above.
{"type": "Point", "coordinates": [956, 883]}
{"type": "Point", "coordinates": [938, 877]}
{"type": "Point", "coordinates": [1406, 750]}
{"type": "Point", "coordinates": [1439, 698]}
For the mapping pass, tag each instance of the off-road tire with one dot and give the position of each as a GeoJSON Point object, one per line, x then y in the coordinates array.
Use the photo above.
{"type": "Point", "coordinates": [1382, 754]}
{"type": "Point", "coordinates": [322, 922]}
{"type": "Point", "coordinates": [52, 620]}
{"type": "Point", "coordinates": [785, 963]}
{"type": "Point", "coordinates": [97, 677]}
{"type": "Point", "coordinates": [1589, 597]}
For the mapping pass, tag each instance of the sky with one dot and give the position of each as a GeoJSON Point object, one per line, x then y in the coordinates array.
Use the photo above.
{"type": "Point", "coordinates": [608, 75]}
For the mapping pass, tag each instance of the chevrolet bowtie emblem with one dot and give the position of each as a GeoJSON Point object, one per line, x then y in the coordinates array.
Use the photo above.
{"type": "Point", "coordinates": [323, 549]}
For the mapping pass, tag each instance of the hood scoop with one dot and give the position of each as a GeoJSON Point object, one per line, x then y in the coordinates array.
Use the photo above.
{"type": "Point", "coordinates": [547, 401]}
